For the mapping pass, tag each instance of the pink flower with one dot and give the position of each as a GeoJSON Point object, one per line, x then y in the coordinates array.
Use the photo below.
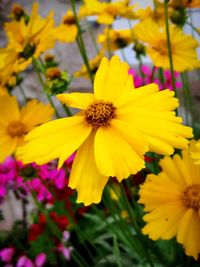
{"type": "Point", "coordinates": [66, 251]}
{"type": "Point", "coordinates": [40, 260]}
{"type": "Point", "coordinates": [24, 261]}
{"type": "Point", "coordinates": [6, 254]}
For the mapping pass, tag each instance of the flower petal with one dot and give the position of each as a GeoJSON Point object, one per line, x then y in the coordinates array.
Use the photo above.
{"type": "Point", "coordinates": [35, 113]}
{"type": "Point", "coordinates": [9, 109]}
{"type": "Point", "coordinates": [76, 100]}
{"type": "Point", "coordinates": [7, 146]}
{"type": "Point", "coordinates": [56, 139]}
{"type": "Point", "coordinates": [85, 177]}
{"type": "Point", "coordinates": [112, 79]}
{"type": "Point", "coordinates": [114, 155]}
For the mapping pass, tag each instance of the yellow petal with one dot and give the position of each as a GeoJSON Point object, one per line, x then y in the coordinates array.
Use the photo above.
{"type": "Point", "coordinates": [76, 100]}
{"type": "Point", "coordinates": [112, 79]}
{"type": "Point", "coordinates": [163, 222]}
{"type": "Point", "coordinates": [56, 139]}
{"type": "Point", "coordinates": [114, 155]}
{"type": "Point", "coordinates": [85, 177]}
{"type": "Point", "coordinates": [35, 113]}
{"type": "Point", "coordinates": [9, 109]}
{"type": "Point", "coordinates": [7, 146]}
{"type": "Point", "coordinates": [189, 232]}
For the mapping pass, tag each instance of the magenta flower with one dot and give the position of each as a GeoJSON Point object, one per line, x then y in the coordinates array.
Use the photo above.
{"type": "Point", "coordinates": [40, 260]}
{"type": "Point", "coordinates": [24, 261]}
{"type": "Point", "coordinates": [6, 254]}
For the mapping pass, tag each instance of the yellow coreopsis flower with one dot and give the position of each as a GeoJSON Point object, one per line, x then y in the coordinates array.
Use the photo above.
{"type": "Point", "coordinates": [115, 39]}
{"type": "Point", "coordinates": [28, 39]}
{"type": "Point", "coordinates": [195, 154]}
{"type": "Point", "coordinates": [185, 3]}
{"type": "Point", "coordinates": [93, 63]}
{"type": "Point", "coordinates": [67, 30]}
{"type": "Point", "coordinates": [107, 12]}
{"type": "Point", "coordinates": [116, 126]}
{"type": "Point", "coordinates": [183, 46]}
{"type": "Point", "coordinates": [15, 123]}
{"type": "Point", "coordinates": [172, 200]}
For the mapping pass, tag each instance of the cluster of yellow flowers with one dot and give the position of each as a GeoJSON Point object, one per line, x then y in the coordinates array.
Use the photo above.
{"type": "Point", "coordinates": [117, 124]}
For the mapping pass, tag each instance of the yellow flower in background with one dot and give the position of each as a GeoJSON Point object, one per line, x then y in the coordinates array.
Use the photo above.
{"type": "Point", "coordinates": [94, 65]}
{"type": "Point", "coordinates": [195, 153]}
{"type": "Point", "coordinates": [185, 3]}
{"type": "Point", "coordinates": [115, 39]}
{"type": "Point", "coordinates": [116, 126]}
{"type": "Point", "coordinates": [67, 30]}
{"type": "Point", "coordinates": [172, 200]}
{"type": "Point", "coordinates": [15, 123]}
{"type": "Point", "coordinates": [107, 12]}
{"type": "Point", "coordinates": [183, 46]}
{"type": "Point", "coordinates": [28, 39]}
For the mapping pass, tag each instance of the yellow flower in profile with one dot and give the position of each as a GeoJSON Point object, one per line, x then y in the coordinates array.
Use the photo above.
{"type": "Point", "coordinates": [116, 126]}
{"type": "Point", "coordinates": [28, 39]}
{"type": "Point", "coordinates": [185, 3]}
{"type": "Point", "coordinates": [107, 12]}
{"type": "Point", "coordinates": [195, 153]}
{"type": "Point", "coordinates": [94, 65]}
{"type": "Point", "coordinates": [15, 123]}
{"type": "Point", "coordinates": [183, 46]}
{"type": "Point", "coordinates": [172, 200]}
{"type": "Point", "coordinates": [67, 30]}
{"type": "Point", "coordinates": [115, 39]}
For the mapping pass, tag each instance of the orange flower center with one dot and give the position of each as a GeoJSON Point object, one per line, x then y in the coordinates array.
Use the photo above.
{"type": "Point", "coordinates": [69, 20]}
{"type": "Point", "coordinates": [53, 73]}
{"type": "Point", "coordinates": [191, 196]}
{"type": "Point", "coordinates": [16, 129]}
{"type": "Point", "coordinates": [100, 114]}
{"type": "Point", "coordinates": [161, 47]}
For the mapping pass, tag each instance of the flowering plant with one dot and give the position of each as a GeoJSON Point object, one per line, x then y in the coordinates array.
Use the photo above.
{"type": "Point", "coordinates": [111, 176]}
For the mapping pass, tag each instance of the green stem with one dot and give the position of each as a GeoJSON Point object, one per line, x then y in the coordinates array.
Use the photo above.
{"type": "Point", "coordinates": [169, 47]}
{"type": "Point", "coordinates": [193, 28]}
{"type": "Point", "coordinates": [161, 77]}
{"type": "Point", "coordinates": [93, 38]}
{"type": "Point", "coordinates": [80, 42]}
{"type": "Point", "coordinates": [137, 228]}
{"type": "Point", "coordinates": [35, 64]}
{"type": "Point", "coordinates": [67, 110]}
{"type": "Point", "coordinates": [108, 42]}
{"type": "Point", "coordinates": [187, 97]}
{"type": "Point", "coordinates": [22, 92]}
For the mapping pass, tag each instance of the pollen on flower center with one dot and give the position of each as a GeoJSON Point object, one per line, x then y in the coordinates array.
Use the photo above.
{"type": "Point", "coordinates": [191, 196]}
{"type": "Point", "coordinates": [16, 129]}
{"type": "Point", "coordinates": [99, 114]}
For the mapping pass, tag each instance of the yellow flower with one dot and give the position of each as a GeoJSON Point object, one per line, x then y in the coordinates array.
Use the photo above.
{"type": "Point", "coordinates": [183, 46]}
{"type": "Point", "coordinates": [185, 3]}
{"type": "Point", "coordinates": [195, 153]}
{"type": "Point", "coordinates": [172, 200]}
{"type": "Point", "coordinates": [94, 64]}
{"type": "Point", "coordinates": [15, 123]}
{"type": "Point", "coordinates": [158, 14]}
{"type": "Point", "coordinates": [67, 30]}
{"type": "Point", "coordinates": [115, 39]}
{"type": "Point", "coordinates": [107, 12]}
{"type": "Point", "coordinates": [28, 39]}
{"type": "Point", "coordinates": [116, 126]}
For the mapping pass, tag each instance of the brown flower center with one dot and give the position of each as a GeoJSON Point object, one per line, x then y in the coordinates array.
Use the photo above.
{"type": "Point", "coordinates": [16, 129]}
{"type": "Point", "coordinates": [100, 114]}
{"type": "Point", "coordinates": [191, 196]}
{"type": "Point", "coordinates": [161, 47]}
{"type": "Point", "coordinates": [69, 20]}
{"type": "Point", "coordinates": [53, 73]}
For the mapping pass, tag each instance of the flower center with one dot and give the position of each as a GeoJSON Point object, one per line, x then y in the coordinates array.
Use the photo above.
{"type": "Point", "coordinates": [161, 47]}
{"type": "Point", "coordinates": [99, 114]}
{"type": "Point", "coordinates": [191, 196]}
{"type": "Point", "coordinates": [69, 20]}
{"type": "Point", "coordinates": [16, 128]}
